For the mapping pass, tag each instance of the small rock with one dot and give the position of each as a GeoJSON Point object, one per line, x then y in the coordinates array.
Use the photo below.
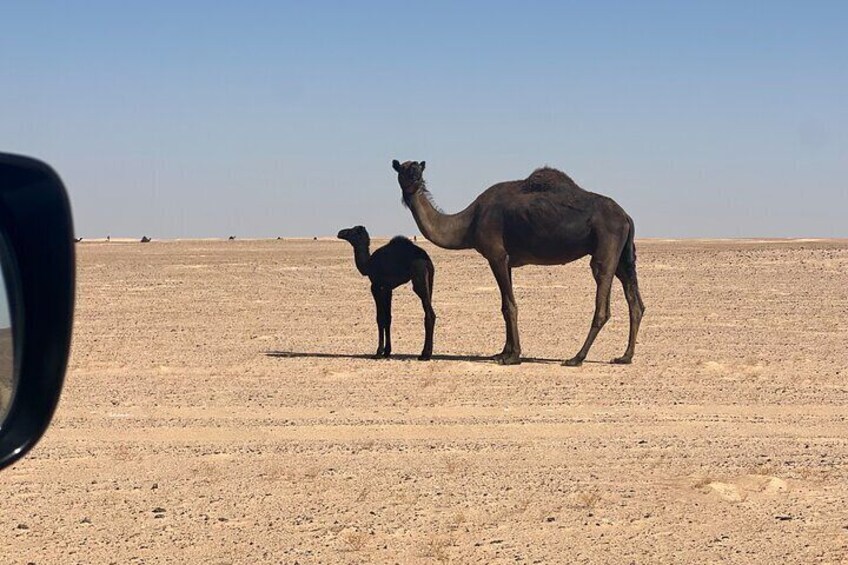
{"type": "Point", "coordinates": [775, 485]}
{"type": "Point", "coordinates": [550, 519]}
{"type": "Point", "coordinates": [783, 517]}
{"type": "Point", "coordinates": [85, 520]}
{"type": "Point", "coordinates": [22, 527]}
{"type": "Point", "coordinates": [727, 491]}
{"type": "Point", "coordinates": [158, 510]}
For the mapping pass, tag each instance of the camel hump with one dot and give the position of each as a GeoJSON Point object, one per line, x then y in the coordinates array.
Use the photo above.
{"type": "Point", "coordinates": [404, 245]}
{"type": "Point", "coordinates": [547, 179]}
{"type": "Point", "coordinates": [402, 240]}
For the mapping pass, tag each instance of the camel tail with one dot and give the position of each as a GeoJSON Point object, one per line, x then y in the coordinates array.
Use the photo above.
{"type": "Point", "coordinates": [628, 260]}
{"type": "Point", "coordinates": [431, 273]}
{"type": "Point", "coordinates": [628, 254]}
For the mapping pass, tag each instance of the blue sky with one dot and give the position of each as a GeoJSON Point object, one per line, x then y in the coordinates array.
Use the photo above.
{"type": "Point", "coordinates": [177, 119]}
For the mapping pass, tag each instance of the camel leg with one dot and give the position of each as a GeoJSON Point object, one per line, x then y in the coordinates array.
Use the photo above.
{"type": "Point", "coordinates": [422, 284]}
{"type": "Point", "coordinates": [510, 335]}
{"type": "Point", "coordinates": [387, 321]}
{"type": "Point", "coordinates": [627, 275]}
{"type": "Point", "coordinates": [378, 302]}
{"type": "Point", "coordinates": [603, 269]}
{"type": "Point", "coordinates": [511, 354]}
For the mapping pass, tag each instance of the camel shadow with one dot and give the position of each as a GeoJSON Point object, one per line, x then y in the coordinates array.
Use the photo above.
{"type": "Point", "coordinates": [408, 357]}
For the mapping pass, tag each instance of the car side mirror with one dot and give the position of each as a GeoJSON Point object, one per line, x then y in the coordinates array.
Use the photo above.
{"type": "Point", "coordinates": [36, 300]}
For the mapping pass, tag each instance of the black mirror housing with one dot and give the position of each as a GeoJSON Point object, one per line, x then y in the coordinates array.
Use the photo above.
{"type": "Point", "coordinates": [39, 269]}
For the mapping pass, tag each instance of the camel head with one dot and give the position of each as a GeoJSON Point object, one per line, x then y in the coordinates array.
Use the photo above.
{"type": "Point", "coordinates": [356, 235]}
{"type": "Point", "coordinates": [410, 177]}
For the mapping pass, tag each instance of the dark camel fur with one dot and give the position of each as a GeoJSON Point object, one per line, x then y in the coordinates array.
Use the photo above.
{"type": "Point", "coordinates": [391, 266]}
{"type": "Point", "coordinates": [545, 219]}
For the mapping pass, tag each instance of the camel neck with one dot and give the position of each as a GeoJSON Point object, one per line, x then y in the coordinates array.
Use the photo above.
{"type": "Point", "coordinates": [362, 256]}
{"type": "Point", "coordinates": [449, 231]}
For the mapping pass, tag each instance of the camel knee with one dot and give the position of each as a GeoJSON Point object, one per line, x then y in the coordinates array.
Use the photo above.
{"type": "Point", "coordinates": [600, 319]}
{"type": "Point", "coordinates": [429, 319]}
{"type": "Point", "coordinates": [509, 309]}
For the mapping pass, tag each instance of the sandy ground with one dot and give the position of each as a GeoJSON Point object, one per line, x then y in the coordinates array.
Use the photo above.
{"type": "Point", "coordinates": [220, 408]}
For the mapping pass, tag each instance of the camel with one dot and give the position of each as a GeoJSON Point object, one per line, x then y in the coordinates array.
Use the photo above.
{"type": "Point", "coordinates": [545, 219]}
{"type": "Point", "coordinates": [391, 266]}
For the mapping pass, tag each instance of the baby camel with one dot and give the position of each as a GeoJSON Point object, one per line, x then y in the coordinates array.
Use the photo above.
{"type": "Point", "coordinates": [394, 264]}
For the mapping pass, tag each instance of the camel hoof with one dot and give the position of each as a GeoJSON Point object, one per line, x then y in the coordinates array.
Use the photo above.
{"type": "Point", "coordinates": [424, 357]}
{"type": "Point", "coordinates": [507, 359]}
{"type": "Point", "coordinates": [573, 362]}
{"type": "Point", "coordinates": [622, 360]}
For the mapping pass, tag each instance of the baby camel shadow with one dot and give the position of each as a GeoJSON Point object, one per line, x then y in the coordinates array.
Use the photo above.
{"type": "Point", "coordinates": [406, 357]}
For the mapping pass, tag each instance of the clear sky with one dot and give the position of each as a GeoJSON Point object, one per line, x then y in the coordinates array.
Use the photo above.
{"type": "Point", "coordinates": [265, 119]}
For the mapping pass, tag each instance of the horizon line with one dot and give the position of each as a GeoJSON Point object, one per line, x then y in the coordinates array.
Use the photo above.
{"type": "Point", "coordinates": [130, 239]}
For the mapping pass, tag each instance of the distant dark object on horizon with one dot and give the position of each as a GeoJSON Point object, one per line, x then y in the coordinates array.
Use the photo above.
{"type": "Point", "coordinates": [232, 237]}
{"type": "Point", "coordinates": [145, 239]}
{"type": "Point", "coordinates": [77, 239]}
{"type": "Point", "coordinates": [314, 239]}
{"type": "Point", "coordinates": [279, 239]}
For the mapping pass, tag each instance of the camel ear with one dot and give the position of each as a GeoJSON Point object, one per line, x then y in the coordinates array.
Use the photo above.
{"type": "Point", "coordinates": [396, 165]}
{"type": "Point", "coordinates": [423, 164]}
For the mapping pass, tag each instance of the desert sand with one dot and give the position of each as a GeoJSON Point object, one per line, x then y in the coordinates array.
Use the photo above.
{"type": "Point", "coordinates": [220, 407]}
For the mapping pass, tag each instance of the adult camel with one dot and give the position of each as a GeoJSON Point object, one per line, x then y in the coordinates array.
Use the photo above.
{"type": "Point", "coordinates": [545, 219]}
